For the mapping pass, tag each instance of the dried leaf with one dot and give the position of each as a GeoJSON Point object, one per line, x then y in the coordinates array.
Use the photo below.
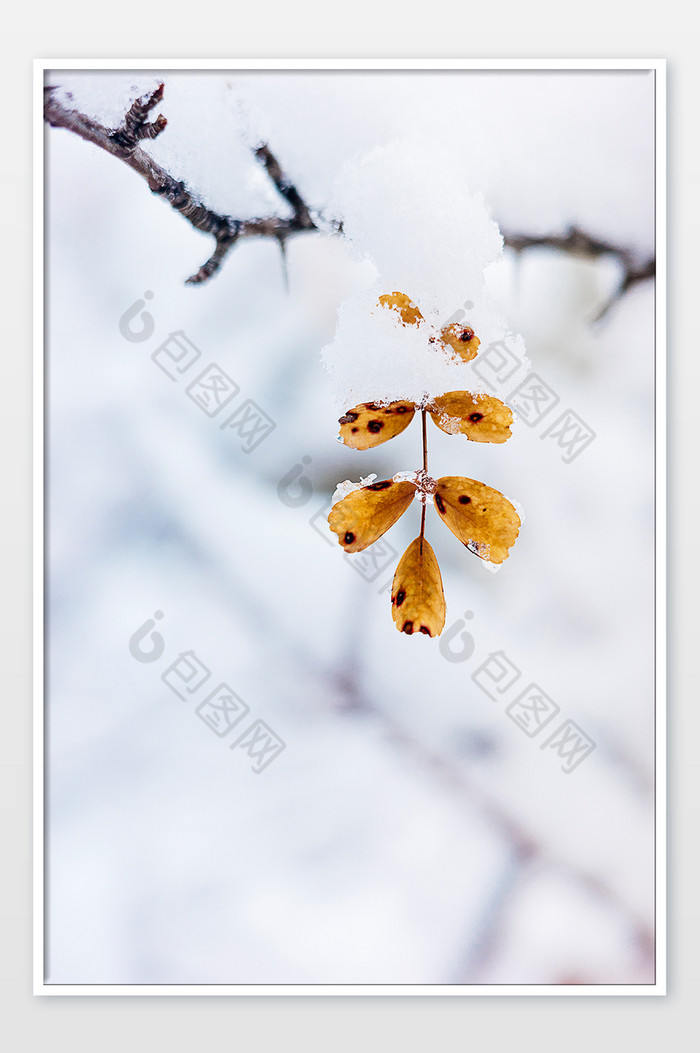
{"type": "Point", "coordinates": [479, 516]}
{"type": "Point", "coordinates": [417, 597]}
{"type": "Point", "coordinates": [398, 301]}
{"type": "Point", "coordinates": [370, 424]}
{"type": "Point", "coordinates": [461, 339]}
{"type": "Point", "coordinates": [364, 515]}
{"type": "Point", "coordinates": [481, 418]}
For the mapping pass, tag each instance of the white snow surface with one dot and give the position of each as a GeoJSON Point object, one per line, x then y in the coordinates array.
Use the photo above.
{"type": "Point", "coordinates": [374, 357]}
{"type": "Point", "coordinates": [348, 487]}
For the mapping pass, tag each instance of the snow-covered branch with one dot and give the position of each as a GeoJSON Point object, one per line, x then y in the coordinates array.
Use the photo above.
{"type": "Point", "coordinates": [123, 143]}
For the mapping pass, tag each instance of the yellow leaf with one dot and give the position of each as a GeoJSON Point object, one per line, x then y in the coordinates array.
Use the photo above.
{"type": "Point", "coordinates": [417, 597]}
{"type": "Point", "coordinates": [364, 515]}
{"type": "Point", "coordinates": [461, 339]}
{"type": "Point", "coordinates": [479, 516]}
{"type": "Point", "coordinates": [480, 417]}
{"type": "Point", "coordinates": [370, 424]}
{"type": "Point", "coordinates": [398, 301]}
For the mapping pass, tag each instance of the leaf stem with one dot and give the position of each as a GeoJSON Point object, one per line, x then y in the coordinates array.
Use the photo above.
{"type": "Point", "coordinates": [425, 473]}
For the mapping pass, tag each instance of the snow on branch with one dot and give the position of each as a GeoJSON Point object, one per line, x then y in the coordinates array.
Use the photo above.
{"type": "Point", "coordinates": [123, 143]}
{"type": "Point", "coordinates": [136, 125]}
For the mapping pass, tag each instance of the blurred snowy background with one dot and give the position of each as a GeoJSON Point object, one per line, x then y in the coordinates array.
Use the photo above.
{"type": "Point", "coordinates": [411, 830]}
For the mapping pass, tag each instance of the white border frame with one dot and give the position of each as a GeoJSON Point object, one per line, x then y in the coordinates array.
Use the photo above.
{"type": "Point", "coordinates": [40, 987]}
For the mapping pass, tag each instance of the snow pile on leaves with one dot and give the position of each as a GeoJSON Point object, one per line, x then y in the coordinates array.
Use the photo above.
{"type": "Point", "coordinates": [408, 214]}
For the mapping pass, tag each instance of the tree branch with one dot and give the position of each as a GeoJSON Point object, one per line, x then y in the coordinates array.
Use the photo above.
{"type": "Point", "coordinates": [577, 242]}
{"type": "Point", "coordinates": [136, 126]}
{"type": "Point", "coordinates": [123, 143]}
{"type": "Point", "coordinates": [226, 230]}
{"type": "Point", "coordinates": [284, 188]}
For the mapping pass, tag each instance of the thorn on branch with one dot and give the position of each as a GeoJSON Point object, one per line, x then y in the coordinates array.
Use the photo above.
{"type": "Point", "coordinates": [282, 242]}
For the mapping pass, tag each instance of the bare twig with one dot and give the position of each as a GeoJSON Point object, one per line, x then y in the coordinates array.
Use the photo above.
{"type": "Point", "coordinates": [577, 242]}
{"type": "Point", "coordinates": [136, 125]}
{"type": "Point", "coordinates": [286, 189]}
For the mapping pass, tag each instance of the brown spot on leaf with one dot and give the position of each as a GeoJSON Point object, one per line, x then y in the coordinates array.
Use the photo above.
{"type": "Point", "coordinates": [440, 503]}
{"type": "Point", "coordinates": [349, 538]}
{"type": "Point", "coordinates": [476, 417]}
{"type": "Point", "coordinates": [400, 597]}
{"type": "Point", "coordinates": [464, 500]}
{"type": "Point", "coordinates": [384, 485]}
{"type": "Point", "coordinates": [347, 418]}
{"type": "Point", "coordinates": [407, 628]}
{"type": "Point", "coordinates": [375, 426]}
{"type": "Point", "coordinates": [425, 629]}
{"type": "Point", "coordinates": [467, 335]}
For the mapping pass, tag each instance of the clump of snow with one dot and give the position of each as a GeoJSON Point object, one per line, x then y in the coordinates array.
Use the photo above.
{"type": "Point", "coordinates": [343, 489]}
{"type": "Point", "coordinates": [408, 213]}
{"type": "Point", "coordinates": [408, 207]}
{"type": "Point", "coordinates": [407, 477]}
{"type": "Point", "coordinates": [375, 358]}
